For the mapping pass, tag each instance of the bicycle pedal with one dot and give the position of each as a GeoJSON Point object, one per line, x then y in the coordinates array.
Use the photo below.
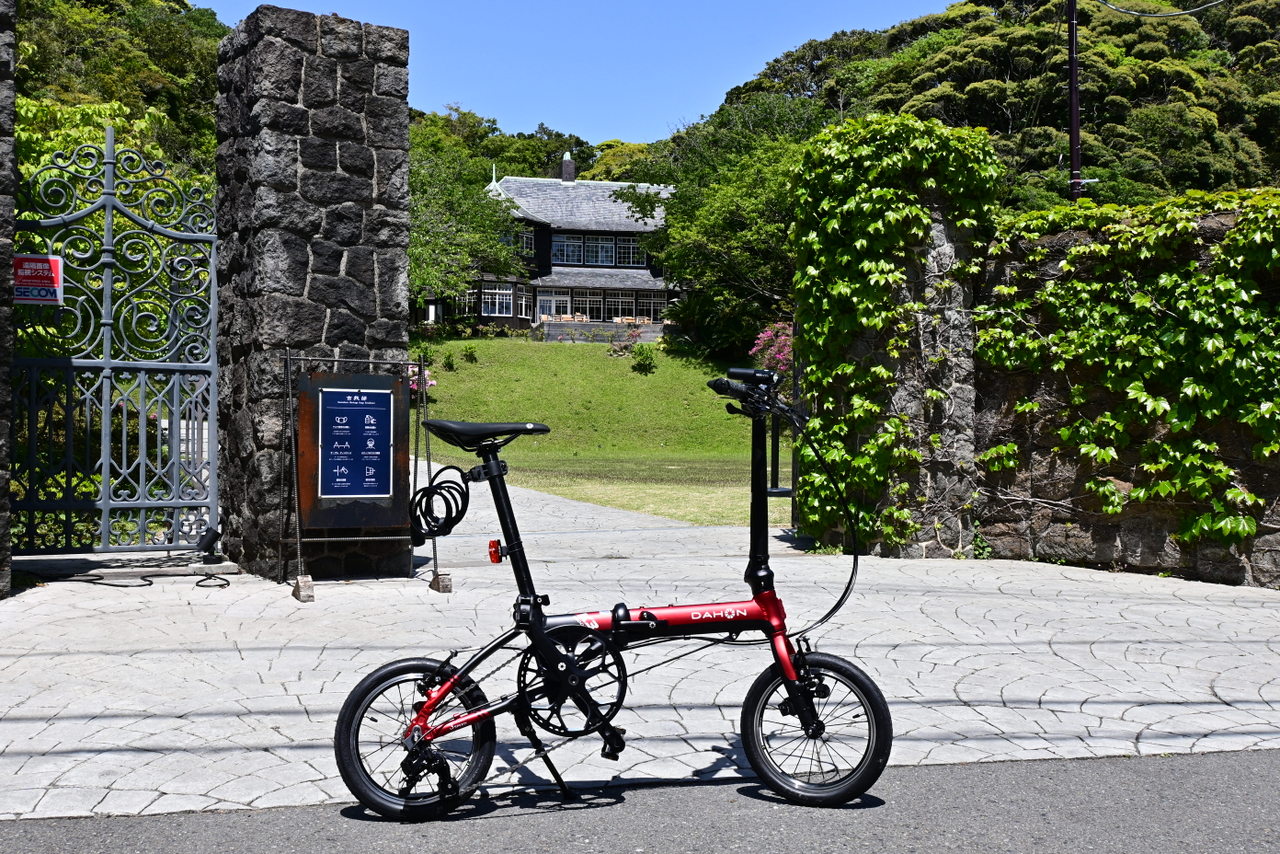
{"type": "Point", "coordinates": [614, 743]}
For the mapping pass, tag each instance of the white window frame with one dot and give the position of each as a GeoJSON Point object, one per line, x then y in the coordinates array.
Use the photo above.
{"type": "Point", "coordinates": [496, 299]}
{"type": "Point", "coordinates": [466, 303]}
{"type": "Point", "coordinates": [599, 251]}
{"type": "Point", "coordinates": [629, 252]}
{"type": "Point", "coordinates": [619, 304]}
{"type": "Point", "coordinates": [651, 304]}
{"type": "Point", "coordinates": [552, 302]}
{"type": "Point", "coordinates": [566, 249]}
{"type": "Point", "coordinates": [526, 242]}
{"type": "Point", "coordinates": [524, 301]}
{"type": "Point", "coordinates": [589, 303]}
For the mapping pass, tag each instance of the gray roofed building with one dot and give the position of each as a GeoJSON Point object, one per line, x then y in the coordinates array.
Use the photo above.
{"type": "Point", "coordinates": [580, 205]}
{"type": "Point", "coordinates": [586, 260]}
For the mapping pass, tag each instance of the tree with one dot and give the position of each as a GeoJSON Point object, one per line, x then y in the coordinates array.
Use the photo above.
{"type": "Point", "coordinates": [723, 241]}
{"type": "Point", "coordinates": [456, 229]}
{"type": "Point", "coordinates": [141, 54]}
{"type": "Point", "coordinates": [616, 161]}
{"type": "Point", "coordinates": [537, 154]}
{"type": "Point", "coordinates": [44, 127]}
{"type": "Point", "coordinates": [1169, 104]}
{"type": "Point", "coordinates": [726, 245]}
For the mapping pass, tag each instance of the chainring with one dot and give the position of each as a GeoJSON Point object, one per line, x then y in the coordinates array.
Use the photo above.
{"type": "Point", "coordinates": [578, 693]}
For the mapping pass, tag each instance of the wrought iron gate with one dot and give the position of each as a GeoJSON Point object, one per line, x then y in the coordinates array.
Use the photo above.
{"type": "Point", "coordinates": [115, 390]}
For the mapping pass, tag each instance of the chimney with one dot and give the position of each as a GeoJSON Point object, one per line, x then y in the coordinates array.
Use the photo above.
{"type": "Point", "coordinates": [568, 169]}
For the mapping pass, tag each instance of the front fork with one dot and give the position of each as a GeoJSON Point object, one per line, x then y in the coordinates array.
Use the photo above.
{"type": "Point", "coordinates": [802, 689]}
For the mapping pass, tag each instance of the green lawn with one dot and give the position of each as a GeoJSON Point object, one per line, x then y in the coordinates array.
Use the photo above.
{"type": "Point", "coordinates": [660, 443]}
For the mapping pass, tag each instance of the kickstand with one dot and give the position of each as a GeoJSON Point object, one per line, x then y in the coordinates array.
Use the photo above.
{"type": "Point", "coordinates": [526, 729]}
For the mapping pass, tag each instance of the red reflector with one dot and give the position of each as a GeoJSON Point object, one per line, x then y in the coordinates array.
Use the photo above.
{"type": "Point", "coordinates": [495, 551]}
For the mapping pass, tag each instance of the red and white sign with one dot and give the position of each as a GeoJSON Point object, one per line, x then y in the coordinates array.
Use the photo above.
{"type": "Point", "coordinates": [37, 280]}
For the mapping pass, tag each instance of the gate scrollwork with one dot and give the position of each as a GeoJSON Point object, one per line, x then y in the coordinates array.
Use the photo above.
{"type": "Point", "coordinates": [115, 431]}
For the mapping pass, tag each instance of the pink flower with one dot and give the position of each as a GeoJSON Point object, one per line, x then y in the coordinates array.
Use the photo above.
{"type": "Point", "coordinates": [419, 379]}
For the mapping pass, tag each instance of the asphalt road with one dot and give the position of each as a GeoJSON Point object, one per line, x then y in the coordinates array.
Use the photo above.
{"type": "Point", "coordinates": [1219, 803]}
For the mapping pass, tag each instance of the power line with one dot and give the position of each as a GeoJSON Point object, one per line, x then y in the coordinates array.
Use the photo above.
{"type": "Point", "coordinates": [1076, 182]}
{"type": "Point", "coordinates": [1162, 14]}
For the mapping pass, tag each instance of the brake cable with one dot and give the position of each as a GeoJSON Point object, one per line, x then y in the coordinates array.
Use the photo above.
{"type": "Point", "coordinates": [767, 402]}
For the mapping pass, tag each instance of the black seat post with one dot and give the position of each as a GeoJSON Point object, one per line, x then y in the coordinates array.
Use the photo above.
{"type": "Point", "coordinates": [495, 472]}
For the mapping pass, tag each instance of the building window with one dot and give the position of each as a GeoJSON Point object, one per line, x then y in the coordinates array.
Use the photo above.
{"type": "Point", "coordinates": [650, 305]}
{"type": "Point", "coordinates": [552, 305]}
{"type": "Point", "coordinates": [466, 303]}
{"type": "Point", "coordinates": [619, 304]}
{"type": "Point", "coordinates": [524, 301]}
{"type": "Point", "coordinates": [495, 300]}
{"type": "Point", "coordinates": [629, 252]}
{"type": "Point", "coordinates": [599, 250]}
{"type": "Point", "coordinates": [566, 249]}
{"type": "Point", "coordinates": [588, 304]}
{"type": "Point", "coordinates": [525, 243]}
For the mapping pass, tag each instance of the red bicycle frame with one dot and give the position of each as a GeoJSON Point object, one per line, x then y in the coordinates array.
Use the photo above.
{"type": "Point", "coordinates": [622, 625]}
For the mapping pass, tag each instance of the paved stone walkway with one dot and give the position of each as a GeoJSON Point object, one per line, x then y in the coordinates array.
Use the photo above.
{"type": "Point", "coordinates": [175, 697]}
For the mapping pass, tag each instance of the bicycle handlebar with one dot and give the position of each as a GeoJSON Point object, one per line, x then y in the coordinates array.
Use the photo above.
{"type": "Point", "coordinates": [729, 388]}
{"type": "Point", "coordinates": [756, 390]}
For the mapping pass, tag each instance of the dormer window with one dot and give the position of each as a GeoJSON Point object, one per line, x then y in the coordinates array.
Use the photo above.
{"type": "Point", "coordinates": [599, 250]}
{"type": "Point", "coordinates": [596, 250]}
{"type": "Point", "coordinates": [629, 252]}
{"type": "Point", "coordinates": [566, 249]}
{"type": "Point", "coordinates": [524, 243]}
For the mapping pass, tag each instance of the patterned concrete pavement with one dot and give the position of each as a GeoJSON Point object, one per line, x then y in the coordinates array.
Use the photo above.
{"type": "Point", "coordinates": [175, 697]}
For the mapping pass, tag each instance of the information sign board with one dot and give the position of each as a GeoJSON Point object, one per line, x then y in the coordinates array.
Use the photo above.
{"type": "Point", "coordinates": [353, 451]}
{"type": "Point", "coordinates": [356, 426]}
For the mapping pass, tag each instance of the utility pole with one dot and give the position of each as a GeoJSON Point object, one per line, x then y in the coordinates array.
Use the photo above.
{"type": "Point", "coordinates": [1073, 101]}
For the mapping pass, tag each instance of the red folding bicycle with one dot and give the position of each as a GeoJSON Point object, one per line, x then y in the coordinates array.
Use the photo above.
{"type": "Point", "coordinates": [416, 736]}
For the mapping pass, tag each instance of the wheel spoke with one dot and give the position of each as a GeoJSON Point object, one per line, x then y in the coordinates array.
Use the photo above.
{"type": "Point", "coordinates": [375, 735]}
{"type": "Point", "coordinates": [843, 757]}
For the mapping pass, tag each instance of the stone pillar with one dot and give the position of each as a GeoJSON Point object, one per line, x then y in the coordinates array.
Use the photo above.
{"type": "Point", "coordinates": [935, 391]}
{"type": "Point", "coordinates": [8, 188]}
{"type": "Point", "coordinates": [313, 231]}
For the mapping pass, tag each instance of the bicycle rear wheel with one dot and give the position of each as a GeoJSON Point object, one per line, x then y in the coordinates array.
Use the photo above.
{"type": "Point", "coordinates": [385, 775]}
{"type": "Point", "coordinates": [835, 766]}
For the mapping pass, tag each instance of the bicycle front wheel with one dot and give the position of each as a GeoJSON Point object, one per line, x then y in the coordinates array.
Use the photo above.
{"type": "Point", "coordinates": [841, 762]}
{"type": "Point", "coordinates": [411, 783]}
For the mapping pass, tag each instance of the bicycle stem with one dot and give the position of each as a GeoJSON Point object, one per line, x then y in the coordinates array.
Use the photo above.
{"type": "Point", "coordinates": [759, 576]}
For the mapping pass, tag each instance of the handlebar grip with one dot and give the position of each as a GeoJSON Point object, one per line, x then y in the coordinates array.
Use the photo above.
{"type": "Point", "coordinates": [728, 388]}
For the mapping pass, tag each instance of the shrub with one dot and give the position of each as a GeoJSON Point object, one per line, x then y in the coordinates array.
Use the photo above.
{"type": "Point", "coordinates": [642, 359]}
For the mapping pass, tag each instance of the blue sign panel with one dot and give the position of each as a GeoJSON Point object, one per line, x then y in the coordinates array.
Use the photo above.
{"type": "Point", "coordinates": [355, 443]}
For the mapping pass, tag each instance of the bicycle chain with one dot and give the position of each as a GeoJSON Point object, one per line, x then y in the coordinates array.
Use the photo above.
{"type": "Point", "coordinates": [549, 748]}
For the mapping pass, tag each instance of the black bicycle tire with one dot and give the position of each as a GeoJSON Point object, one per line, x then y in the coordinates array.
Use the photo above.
{"type": "Point", "coordinates": [347, 743]}
{"type": "Point", "coordinates": [879, 737]}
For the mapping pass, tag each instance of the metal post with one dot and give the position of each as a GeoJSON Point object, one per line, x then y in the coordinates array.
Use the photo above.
{"type": "Point", "coordinates": [1073, 101]}
{"type": "Point", "coordinates": [106, 391]}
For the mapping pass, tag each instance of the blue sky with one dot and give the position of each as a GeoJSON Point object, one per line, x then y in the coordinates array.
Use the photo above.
{"type": "Point", "coordinates": [635, 71]}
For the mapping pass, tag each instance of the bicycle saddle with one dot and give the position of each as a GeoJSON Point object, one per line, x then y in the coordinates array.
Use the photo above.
{"type": "Point", "coordinates": [470, 435]}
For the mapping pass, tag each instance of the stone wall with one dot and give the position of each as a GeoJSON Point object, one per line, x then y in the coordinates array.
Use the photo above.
{"type": "Point", "coordinates": [8, 187]}
{"type": "Point", "coordinates": [1041, 510]}
{"type": "Point", "coordinates": [313, 228]}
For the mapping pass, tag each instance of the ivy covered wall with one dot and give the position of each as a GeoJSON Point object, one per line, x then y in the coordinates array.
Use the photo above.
{"type": "Point", "coordinates": [1090, 385]}
{"type": "Point", "coordinates": [1129, 387]}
